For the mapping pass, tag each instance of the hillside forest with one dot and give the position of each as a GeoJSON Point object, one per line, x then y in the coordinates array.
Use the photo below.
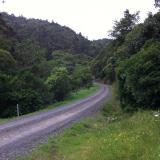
{"type": "Point", "coordinates": [42, 62]}
{"type": "Point", "coordinates": [132, 60]}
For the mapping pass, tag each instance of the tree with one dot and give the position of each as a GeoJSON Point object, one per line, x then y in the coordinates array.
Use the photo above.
{"type": "Point", "coordinates": [139, 78]}
{"type": "Point", "coordinates": [50, 36]}
{"type": "Point", "coordinates": [5, 95]}
{"type": "Point", "coordinates": [59, 83]}
{"type": "Point", "coordinates": [28, 53]}
{"type": "Point", "coordinates": [7, 62]}
{"type": "Point", "coordinates": [82, 77]}
{"type": "Point", "coordinates": [28, 99]}
{"type": "Point", "coordinates": [109, 70]}
{"type": "Point", "coordinates": [4, 28]}
{"type": "Point", "coordinates": [125, 25]}
{"type": "Point", "coordinates": [28, 92]}
{"type": "Point", "coordinates": [157, 3]}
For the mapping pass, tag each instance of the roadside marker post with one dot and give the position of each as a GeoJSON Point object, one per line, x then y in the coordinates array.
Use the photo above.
{"type": "Point", "coordinates": [18, 110]}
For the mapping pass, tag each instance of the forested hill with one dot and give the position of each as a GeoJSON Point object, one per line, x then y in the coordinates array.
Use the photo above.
{"type": "Point", "coordinates": [41, 63]}
{"type": "Point", "coordinates": [50, 36]}
{"type": "Point", "coordinates": [132, 59]}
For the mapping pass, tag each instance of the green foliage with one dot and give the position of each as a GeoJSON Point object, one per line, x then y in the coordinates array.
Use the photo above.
{"type": "Point", "coordinates": [4, 28]}
{"type": "Point", "coordinates": [28, 53]}
{"type": "Point", "coordinates": [7, 62]}
{"type": "Point", "coordinates": [139, 78]}
{"type": "Point", "coordinates": [125, 25]}
{"type": "Point", "coordinates": [33, 52]}
{"type": "Point", "coordinates": [59, 83]}
{"type": "Point", "coordinates": [26, 90]}
{"type": "Point", "coordinates": [65, 59]}
{"type": "Point", "coordinates": [134, 40]}
{"type": "Point", "coordinates": [134, 53]}
{"type": "Point", "coordinates": [103, 65]}
{"type": "Point", "coordinates": [50, 36]}
{"type": "Point", "coordinates": [82, 77]}
{"type": "Point", "coordinates": [112, 110]}
{"type": "Point", "coordinates": [29, 100]}
{"type": "Point", "coordinates": [74, 96]}
{"type": "Point", "coordinates": [109, 71]}
{"type": "Point", "coordinates": [132, 138]}
{"type": "Point", "coordinates": [5, 92]}
{"type": "Point", "coordinates": [6, 43]}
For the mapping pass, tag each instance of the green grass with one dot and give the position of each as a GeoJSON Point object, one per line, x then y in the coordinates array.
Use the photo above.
{"type": "Point", "coordinates": [4, 120]}
{"type": "Point", "coordinates": [82, 93]}
{"type": "Point", "coordinates": [134, 138]}
{"type": "Point", "coordinates": [113, 136]}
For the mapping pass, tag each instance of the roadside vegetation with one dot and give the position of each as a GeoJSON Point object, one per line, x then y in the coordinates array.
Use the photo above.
{"type": "Point", "coordinates": [132, 60]}
{"type": "Point", "coordinates": [41, 63]}
{"type": "Point", "coordinates": [44, 83]}
{"type": "Point", "coordinates": [110, 135]}
{"type": "Point", "coordinates": [74, 96]}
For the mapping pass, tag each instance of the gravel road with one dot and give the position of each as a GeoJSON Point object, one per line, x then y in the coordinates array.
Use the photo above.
{"type": "Point", "coordinates": [19, 137]}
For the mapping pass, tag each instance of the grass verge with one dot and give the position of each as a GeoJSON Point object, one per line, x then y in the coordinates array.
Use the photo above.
{"type": "Point", "coordinates": [82, 93]}
{"type": "Point", "coordinates": [112, 136]}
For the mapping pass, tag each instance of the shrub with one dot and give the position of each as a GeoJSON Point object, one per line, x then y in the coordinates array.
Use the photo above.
{"type": "Point", "coordinates": [7, 62]}
{"type": "Point", "coordinates": [59, 83]}
{"type": "Point", "coordinates": [82, 77]}
{"type": "Point", "coordinates": [139, 78]}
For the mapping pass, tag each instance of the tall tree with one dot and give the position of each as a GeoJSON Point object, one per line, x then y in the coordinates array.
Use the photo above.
{"type": "Point", "coordinates": [157, 3]}
{"type": "Point", "coordinates": [125, 25]}
{"type": "Point", "coordinates": [59, 83]}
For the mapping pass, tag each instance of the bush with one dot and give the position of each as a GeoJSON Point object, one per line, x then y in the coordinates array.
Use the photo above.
{"type": "Point", "coordinates": [59, 83]}
{"type": "Point", "coordinates": [82, 77]}
{"type": "Point", "coordinates": [5, 93]}
{"type": "Point", "coordinates": [7, 62]}
{"type": "Point", "coordinates": [139, 78]}
{"type": "Point", "coordinates": [29, 101]}
{"type": "Point", "coordinates": [25, 89]}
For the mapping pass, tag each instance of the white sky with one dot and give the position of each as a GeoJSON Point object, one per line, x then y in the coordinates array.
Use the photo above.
{"type": "Point", "coordinates": [93, 18]}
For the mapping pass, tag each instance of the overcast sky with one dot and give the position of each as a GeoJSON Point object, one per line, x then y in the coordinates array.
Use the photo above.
{"type": "Point", "coordinates": [93, 18]}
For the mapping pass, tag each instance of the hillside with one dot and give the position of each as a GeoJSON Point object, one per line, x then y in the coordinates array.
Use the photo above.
{"type": "Point", "coordinates": [52, 36]}
{"type": "Point", "coordinates": [40, 63]}
{"type": "Point", "coordinates": [132, 60]}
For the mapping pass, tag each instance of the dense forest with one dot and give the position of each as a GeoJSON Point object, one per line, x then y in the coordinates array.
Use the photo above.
{"type": "Point", "coordinates": [41, 63]}
{"type": "Point", "coordinates": [49, 36]}
{"type": "Point", "coordinates": [132, 60]}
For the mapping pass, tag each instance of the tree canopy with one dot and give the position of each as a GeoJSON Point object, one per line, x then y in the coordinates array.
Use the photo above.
{"type": "Point", "coordinates": [132, 60]}
{"type": "Point", "coordinates": [38, 62]}
{"type": "Point", "coordinates": [157, 3]}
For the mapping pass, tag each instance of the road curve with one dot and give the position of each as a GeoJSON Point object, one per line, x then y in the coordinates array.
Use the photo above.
{"type": "Point", "coordinates": [22, 135]}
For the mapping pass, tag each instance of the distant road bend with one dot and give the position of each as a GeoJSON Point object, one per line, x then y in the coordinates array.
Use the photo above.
{"type": "Point", "coordinates": [20, 136]}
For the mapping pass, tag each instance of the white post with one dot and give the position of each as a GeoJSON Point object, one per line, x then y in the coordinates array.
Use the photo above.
{"type": "Point", "coordinates": [17, 110]}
